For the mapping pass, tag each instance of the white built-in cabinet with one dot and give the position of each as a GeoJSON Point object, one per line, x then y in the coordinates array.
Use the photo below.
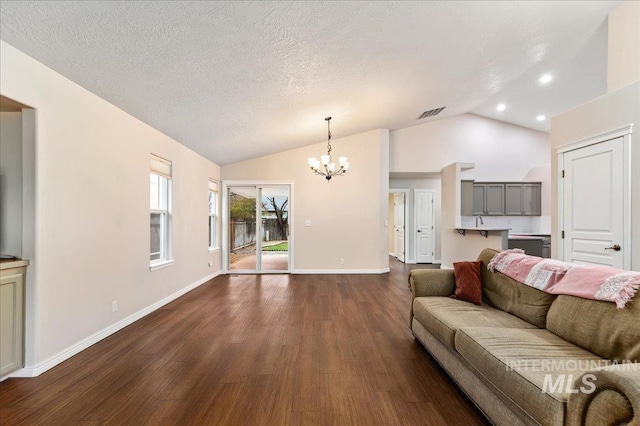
{"type": "Point", "coordinates": [12, 318]}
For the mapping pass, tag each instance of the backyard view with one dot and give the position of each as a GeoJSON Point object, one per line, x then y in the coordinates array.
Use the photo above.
{"type": "Point", "coordinates": [274, 229]}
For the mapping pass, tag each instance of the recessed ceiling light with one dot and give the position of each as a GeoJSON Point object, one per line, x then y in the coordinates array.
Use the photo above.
{"type": "Point", "coordinates": [541, 118]}
{"type": "Point", "coordinates": [501, 107]}
{"type": "Point", "coordinates": [545, 79]}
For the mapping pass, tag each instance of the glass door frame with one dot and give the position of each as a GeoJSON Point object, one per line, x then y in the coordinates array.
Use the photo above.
{"type": "Point", "coordinates": [258, 185]}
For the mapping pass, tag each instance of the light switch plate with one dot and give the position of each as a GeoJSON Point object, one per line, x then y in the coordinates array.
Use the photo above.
{"type": "Point", "coordinates": [307, 222]}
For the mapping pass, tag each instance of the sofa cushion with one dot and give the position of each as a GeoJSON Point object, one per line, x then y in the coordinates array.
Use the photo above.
{"type": "Point", "coordinates": [443, 316]}
{"type": "Point", "coordinates": [468, 283]}
{"type": "Point", "coordinates": [516, 361]}
{"type": "Point", "coordinates": [598, 326]}
{"type": "Point", "coordinates": [506, 294]}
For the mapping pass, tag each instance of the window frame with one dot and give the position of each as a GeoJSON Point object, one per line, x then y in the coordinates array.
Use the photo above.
{"type": "Point", "coordinates": [214, 216]}
{"type": "Point", "coordinates": [162, 170]}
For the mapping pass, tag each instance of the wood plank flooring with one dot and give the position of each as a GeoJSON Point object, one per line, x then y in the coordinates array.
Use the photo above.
{"type": "Point", "coordinates": [255, 350]}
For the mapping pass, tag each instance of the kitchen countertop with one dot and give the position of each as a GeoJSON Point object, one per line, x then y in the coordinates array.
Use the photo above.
{"type": "Point", "coordinates": [529, 236]}
{"type": "Point", "coordinates": [483, 228]}
{"type": "Point", "coordinates": [13, 263]}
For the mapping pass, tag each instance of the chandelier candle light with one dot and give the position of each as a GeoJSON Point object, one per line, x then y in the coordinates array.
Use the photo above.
{"type": "Point", "coordinates": [328, 169]}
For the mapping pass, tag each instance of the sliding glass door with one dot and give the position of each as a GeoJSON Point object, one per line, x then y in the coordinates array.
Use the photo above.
{"type": "Point", "coordinates": [258, 230]}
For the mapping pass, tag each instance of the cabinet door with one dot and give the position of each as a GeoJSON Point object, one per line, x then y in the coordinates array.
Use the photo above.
{"type": "Point", "coordinates": [466, 208]}
{"type": "Point", "coordinates": [479, 196]}
{"type": "Point", "coordinates": [513, 199]}
{"type": "Point", "coordinates": [531, 199]}
{"type": "Point", "coordinates": [11, 329]}
{"type": "Point", "coordinates": [494, 200]}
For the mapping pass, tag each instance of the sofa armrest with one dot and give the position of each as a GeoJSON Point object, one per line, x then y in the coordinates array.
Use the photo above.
{"type": "Point", "coordinates": [609, 395]}
{"type": "Point", "coordinates": [430, 282]}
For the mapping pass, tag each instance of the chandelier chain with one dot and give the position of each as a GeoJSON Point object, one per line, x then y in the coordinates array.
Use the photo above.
{"type": "Point", "coordinates": [329, 137]}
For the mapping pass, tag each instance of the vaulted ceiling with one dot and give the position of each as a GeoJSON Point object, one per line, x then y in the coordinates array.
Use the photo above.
{"type": "Point", "coordinates": [236, 80]}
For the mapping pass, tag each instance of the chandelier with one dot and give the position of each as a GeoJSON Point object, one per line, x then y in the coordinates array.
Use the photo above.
{"type": "Point", "coordinates": [326, 167]}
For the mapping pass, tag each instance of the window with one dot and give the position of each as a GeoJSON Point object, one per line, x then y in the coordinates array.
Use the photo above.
{"type": "Point", "coordinates": [213, 214]}
{"type": "Point", "coordinates": [160, 211]}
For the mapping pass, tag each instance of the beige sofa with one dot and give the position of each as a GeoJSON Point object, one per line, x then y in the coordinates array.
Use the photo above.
{"type": "Point", "coordinates": [521, 341]}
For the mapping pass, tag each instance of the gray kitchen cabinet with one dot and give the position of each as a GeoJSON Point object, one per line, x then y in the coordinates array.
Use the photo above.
{"type": "Point", "coordinates": [513, 199]}
{"type": "Point", "coordinates": [495, 199]}
{"type": "Point", "coordinates": [479, 199]}
{"type": "Point", "coordinates": [523, 199]}
{"type": "Point", "coordinates": [488, 199]}
{"type": "Point", "coordinates": [532, 199]}
{"type": "Point", "coordinates": [467, 198]}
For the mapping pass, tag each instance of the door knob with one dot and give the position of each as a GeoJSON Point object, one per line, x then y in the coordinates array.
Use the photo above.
{"type": "Point", "coordinates": [615, 247]}
{"type": "Point", "coordinates": [419, 230]}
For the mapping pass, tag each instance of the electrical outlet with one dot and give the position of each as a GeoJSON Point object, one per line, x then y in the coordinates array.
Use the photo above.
{"type": "Point", "coordinates": [210, 264]}
{"type": "Point", "coordinates": [342, 261]}
{"type": "Point", "coordinates": [114, 306]}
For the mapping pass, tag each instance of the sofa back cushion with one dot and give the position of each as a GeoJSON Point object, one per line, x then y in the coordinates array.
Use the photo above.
{"type": "Point", "coordinates": [504, 293]}
{"type": "Point", "coordinates": [598, 326]}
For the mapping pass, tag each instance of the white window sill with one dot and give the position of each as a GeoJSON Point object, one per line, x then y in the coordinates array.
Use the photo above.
{"type": "Point", "coordinates": [160, 265]}
{"type": "Point", "coordinates": [213, 249]}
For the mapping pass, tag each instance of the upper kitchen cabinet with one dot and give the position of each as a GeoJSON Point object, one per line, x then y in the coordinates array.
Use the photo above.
{"type": "Point", "coordinates": [488, 199]}
{"type": "Point", "coordinates": [523, 199]}
{"type": "Point", "coordinates": [467, 198]}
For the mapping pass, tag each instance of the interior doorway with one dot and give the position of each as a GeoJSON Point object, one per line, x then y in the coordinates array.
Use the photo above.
{"type": "Point", "coordinates": [258, 232]}
{"type": "Point", "coordinates": [594, 202]}
{"type": "Point", "coordinates": [398, 220]}
{"type": "Point", "coordinates": [424, 225]}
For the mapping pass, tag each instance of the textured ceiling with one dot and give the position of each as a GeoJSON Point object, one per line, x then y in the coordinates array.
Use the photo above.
{"type": "Point", "coordinates": [236, 80]}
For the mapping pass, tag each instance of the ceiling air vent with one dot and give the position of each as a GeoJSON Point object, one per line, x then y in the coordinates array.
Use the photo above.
{"type": "Point", "coordinates": [431, 113]}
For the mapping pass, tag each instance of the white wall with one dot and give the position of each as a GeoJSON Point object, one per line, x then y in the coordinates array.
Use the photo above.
{"type": "Point", "coordinates": [618, 108]}
{"type": "Point", "coordinates": [500, 151]}
{"type": "Point", "coordinates": [29, 226]}
{"type": "Point", "coordinates": [11, 183]}
{"type": "Point", "coordinates": [456, 247]}
{"type": "Point", "coordinates": [623, 65]}
{"type": "Point", "coordinates": [542, 174]}
{"type": "Point", "coordinates": [92, 212]}
{"type": "Point", "coordinates": [391, 219]}
{"type": "Point", "coordinates": [347, 214]}
{"type": "Point", "coordinates": [611, 111]}
{"type": "Point", "coordinates": [413, 184]}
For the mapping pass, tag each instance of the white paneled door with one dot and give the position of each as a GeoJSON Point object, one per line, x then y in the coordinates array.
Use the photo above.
{"type": "Point", "coordinates": [593, 201]}
{"type": "Point", "coordinates": [424, 226]}
{"type": "Point", "coordinates": [398, 225]}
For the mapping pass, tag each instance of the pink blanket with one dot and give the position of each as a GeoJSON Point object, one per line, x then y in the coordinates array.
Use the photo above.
{"type": "Point", "coordinates": [552, 276]}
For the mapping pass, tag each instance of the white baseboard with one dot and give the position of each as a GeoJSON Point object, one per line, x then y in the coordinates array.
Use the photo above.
{"type": "Point", "coordinates": [341, 271]}
{"type": "Point", "coordinates": [392, 254]}
{"type": "Point", "coordinates": [36, 370]}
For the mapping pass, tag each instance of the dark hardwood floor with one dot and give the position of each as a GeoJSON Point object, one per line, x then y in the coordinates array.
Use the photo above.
{"type": "Point", "coordinates": [255, 350]}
